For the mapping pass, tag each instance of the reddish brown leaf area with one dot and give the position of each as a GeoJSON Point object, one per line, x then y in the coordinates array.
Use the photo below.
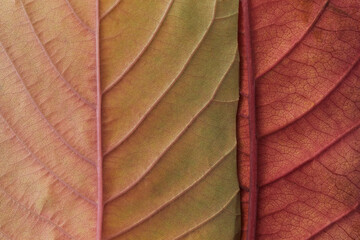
{"type": "Point", "coordinates": [304, 60]}
{"type": "Point", "coordinates": [243, 132]}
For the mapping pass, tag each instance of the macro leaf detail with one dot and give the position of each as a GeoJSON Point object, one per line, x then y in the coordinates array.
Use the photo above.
{"type": "Point", "coordinates": [304, 61]}
{"type": "Point", "coordinates": [118, 119]}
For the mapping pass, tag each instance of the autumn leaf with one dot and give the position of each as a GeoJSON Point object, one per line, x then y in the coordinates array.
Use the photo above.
{"type": "Point", "coordinates": [118, 119]}
{"type": "Point", "coordinates": [299, 119]}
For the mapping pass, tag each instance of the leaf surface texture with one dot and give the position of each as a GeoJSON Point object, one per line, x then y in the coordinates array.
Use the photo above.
{"type": "Point", "coordinates": [305, 66]}
{"type": "Point", "coordinates": [166, 73]}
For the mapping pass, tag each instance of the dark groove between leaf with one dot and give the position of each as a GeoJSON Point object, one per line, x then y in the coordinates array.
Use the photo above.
{"type": "Point", "coordinates": [253, 186]}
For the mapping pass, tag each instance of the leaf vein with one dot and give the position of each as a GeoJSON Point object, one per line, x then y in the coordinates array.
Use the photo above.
{"type": "Point", "coordinates": [183, 131]}
{"type": "Point", "coordinates": [141, 53]}
{"type": "Point", "coordinates": [110, 9]}
{"type": "Point", "coordinates": [325, 97]}
{"type": "Point", "coordinates": [67, 83]}
{"type": "Point", "coordinates": [208, 219]}
{"type": "Point", "coordinates": [317, 154]}
{"type": "Point", "coordinates": [297, 43]}
{"type": "Point", "coordinates": [82, 23]}
{"type": "Point", "coordinates": [354, 209]}
{"type": "Point", "coordinates": [72, 189]}
{"type": "Point", "coordinates": [172, 200]}
{"type": "Point", "coordinates": [37, 215]}
{"type": "Point", "coordinates": [143, 118]}
{"type": "Point", "coordinates": [42, 114]}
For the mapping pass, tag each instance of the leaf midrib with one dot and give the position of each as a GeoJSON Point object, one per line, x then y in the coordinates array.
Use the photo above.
{"type": "Point", "coordinates": [99, 167]}
{"type": "Point", "coordinates": [253, 187]}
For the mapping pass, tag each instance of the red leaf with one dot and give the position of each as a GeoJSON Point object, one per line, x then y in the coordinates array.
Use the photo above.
{"type": "Point", "coordinates": [301, 101]}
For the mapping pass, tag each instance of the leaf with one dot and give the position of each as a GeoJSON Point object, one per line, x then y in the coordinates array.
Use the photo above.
{"type": "Point", "coordinates": [299, 119]}
{"type": "Point", "coordinates": [117, 119]}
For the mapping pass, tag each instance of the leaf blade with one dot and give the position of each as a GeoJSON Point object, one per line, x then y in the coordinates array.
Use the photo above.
{"type": "Point", "coordinates": [307, 119]}
{"type": "Point", "coordinates": [130, 104]}
{"type": "Point", "coordinates": [173, 130]}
